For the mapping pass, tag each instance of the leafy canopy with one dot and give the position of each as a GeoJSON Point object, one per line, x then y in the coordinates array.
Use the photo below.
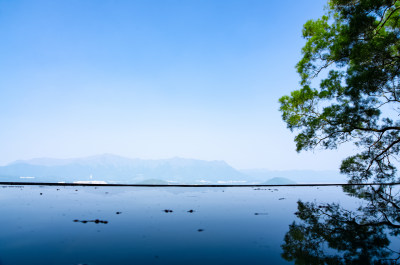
{"type": "Point", "coordinates": [355, 50]}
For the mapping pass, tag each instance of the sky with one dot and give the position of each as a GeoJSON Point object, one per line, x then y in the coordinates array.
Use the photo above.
{"type": "Point", "coordinates": [153, 79]}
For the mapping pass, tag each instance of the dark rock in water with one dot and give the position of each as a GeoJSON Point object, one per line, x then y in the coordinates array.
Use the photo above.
{"type": "Point", "coordinates": [191, 211]}
{"type": "Point", "coordinates": [41, 193]}
{"type": "Point", "coordinates": [118, 212]}
{"type": "Point", "coordinates": [260, 213]}
{"type": "Point", "coordinates": [282, 199]}
{"type": "Point", "coordinates": [168, 211]}
{"type": "Point", "coordinates": [97, 221]}
{"type": "Point", "coordinates": [200, 230]}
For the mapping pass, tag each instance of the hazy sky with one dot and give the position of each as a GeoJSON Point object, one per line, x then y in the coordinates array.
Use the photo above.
{"type": "Point", "coordinates": [153, 79]}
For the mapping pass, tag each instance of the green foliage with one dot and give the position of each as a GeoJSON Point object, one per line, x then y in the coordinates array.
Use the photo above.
{"type": "Point", "coordinates": [355, 50]}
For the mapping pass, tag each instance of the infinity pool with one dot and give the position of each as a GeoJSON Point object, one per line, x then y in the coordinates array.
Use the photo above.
{"type": "Point", "coordinates": [181, 225]}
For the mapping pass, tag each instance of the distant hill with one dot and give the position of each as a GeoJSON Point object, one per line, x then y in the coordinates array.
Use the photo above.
{"type": "Point", "coordinates": [153, 182]}
{"type": "Point", "coordinates": [298, 176]}
{"type": "Point", "coordinates": [279, 181]}
{"type": "Point", "coordinates": [117, 169]}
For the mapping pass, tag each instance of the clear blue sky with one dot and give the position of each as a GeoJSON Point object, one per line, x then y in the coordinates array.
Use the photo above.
{"type": "Point", "coordinates": [153, 79]}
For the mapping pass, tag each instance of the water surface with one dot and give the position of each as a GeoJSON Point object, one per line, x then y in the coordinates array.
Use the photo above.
{"type": "Point", "coordinates": [161, 225]}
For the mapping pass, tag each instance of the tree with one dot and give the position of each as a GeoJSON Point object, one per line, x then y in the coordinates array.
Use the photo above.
{"type": "Point", "coordinates": [355, 50]}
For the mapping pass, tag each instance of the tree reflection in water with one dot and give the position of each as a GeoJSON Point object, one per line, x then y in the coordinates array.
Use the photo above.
{"type": "Point", "coordinates": [331, 234]}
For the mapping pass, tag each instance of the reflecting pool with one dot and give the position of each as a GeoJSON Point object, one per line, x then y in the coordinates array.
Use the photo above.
{"type": "Point", "coordinates": [199, 225]}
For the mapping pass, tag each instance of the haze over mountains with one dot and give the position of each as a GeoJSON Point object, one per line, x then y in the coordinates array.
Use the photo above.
{"type": "Point", "coordinates": [116, 169]}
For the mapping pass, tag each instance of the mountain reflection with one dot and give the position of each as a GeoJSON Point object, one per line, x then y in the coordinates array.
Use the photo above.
{"type": "Point", "coordinates": [328, 233]}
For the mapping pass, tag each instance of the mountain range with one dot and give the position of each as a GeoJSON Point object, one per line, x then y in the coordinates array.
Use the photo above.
{"type": "Point", "coordinates": [112, 169]}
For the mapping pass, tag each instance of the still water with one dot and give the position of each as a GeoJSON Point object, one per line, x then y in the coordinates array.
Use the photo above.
{"type": "Point", "coordinates": [199, 225]}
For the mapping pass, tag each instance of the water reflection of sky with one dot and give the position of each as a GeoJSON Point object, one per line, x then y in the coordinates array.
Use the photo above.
{"type": "Point", "coordinates": [233, 225]}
